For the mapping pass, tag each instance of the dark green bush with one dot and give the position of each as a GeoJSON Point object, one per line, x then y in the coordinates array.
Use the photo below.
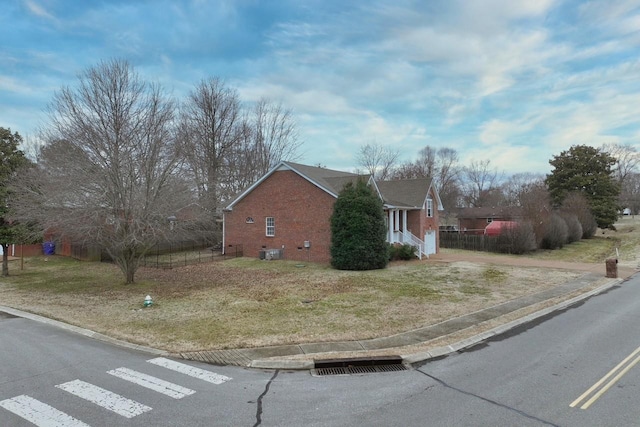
{"type": "Point", "coordinates": [404, 252]}
{"type": "Point", "coordinates": [358, 229]}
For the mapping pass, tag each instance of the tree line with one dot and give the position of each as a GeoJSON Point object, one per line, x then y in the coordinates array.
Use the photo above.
{"type": "Point", "coordinates": [587, 187]}
{"type": "Point", "coordinates": [124, 165]}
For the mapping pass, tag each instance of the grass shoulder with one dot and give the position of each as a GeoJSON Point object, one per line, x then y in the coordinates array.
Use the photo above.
{"type": "Point", "coordinates": [247, 302]}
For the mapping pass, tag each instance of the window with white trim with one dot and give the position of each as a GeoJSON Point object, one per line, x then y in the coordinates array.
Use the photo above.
{"type": "Point", "coordinates": [429, 206]}
{"type": "Point", "coordinates": [271, 226]}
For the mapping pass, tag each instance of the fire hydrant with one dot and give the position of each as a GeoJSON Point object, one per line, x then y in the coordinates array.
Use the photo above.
{"type": "Point", "coordinates": [148, 302]}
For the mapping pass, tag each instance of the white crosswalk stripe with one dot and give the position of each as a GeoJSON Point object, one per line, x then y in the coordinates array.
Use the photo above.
{"type": "Point", "coordinates": [43, 415]}
{"type": "Point", "coordinates": [38, 413]}
{"type": "Point", "coordinates": [114, 402]}
{"type": "Point", "coordinates": [161, 386]}
{"type": "Point", "coordinates": [209, 376]}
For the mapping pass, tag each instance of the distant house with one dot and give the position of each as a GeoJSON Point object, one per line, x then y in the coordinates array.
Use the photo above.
{"type": "Point", "coordinates": [475, 220]}
{"type": "Point", "coordinates": [287, 212]}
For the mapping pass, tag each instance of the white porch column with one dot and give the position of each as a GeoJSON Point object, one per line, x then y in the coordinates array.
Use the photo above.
{"type": "Point", "coordinates": [390, 215]}
{"type": "Point", "coordinates": [404, 222]}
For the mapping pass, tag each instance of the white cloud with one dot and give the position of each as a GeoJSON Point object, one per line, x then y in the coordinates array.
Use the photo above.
{"type": "Point", "coordinates": [9, 84]}
{"type": "Point", "coordinates": [495, 16]}
{"type": "Point", "coordinates": [38, 10]}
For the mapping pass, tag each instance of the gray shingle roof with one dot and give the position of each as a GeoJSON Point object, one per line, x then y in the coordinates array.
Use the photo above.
{"type": "Point", "coordinates": [490, 212]}
{"type": "Point", "coordinates": [331, 180]}
{"type": "Point", "coordinates": [405, 192]}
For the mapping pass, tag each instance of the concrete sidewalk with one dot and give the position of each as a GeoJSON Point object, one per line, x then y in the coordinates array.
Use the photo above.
{"type": "Point", "coordinates": [413, 346]}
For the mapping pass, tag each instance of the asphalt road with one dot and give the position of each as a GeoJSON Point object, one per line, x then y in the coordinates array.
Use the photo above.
{"type": "Point", "coordinates": [533, 376]}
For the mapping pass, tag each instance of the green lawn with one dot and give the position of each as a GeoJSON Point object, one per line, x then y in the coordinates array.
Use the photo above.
{"type": "Point", "coordinates": [247, 302]}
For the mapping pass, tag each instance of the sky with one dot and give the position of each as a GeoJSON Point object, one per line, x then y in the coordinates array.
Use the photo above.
{"type": "Point", "coordinates": [515, 82]}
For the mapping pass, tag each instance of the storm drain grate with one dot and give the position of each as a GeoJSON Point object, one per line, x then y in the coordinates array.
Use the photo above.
{"type": "Point", "coordinates": [351, 370]}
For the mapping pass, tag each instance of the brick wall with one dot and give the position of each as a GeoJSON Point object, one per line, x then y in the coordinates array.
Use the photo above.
{"type": "Point", "coordinates": [301, 212]}
{"type": "Point", "coordinates": [418, 222]}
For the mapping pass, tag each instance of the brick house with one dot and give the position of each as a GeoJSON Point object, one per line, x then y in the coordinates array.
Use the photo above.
{"type": "Point", "coordinates": [288, 211]}
{"type": "Point", "coordinates": [475, 220]}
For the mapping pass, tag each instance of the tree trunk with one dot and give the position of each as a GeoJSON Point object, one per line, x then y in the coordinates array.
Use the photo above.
{"type": "Point", "coordinates": [5, 260]}
{"type": "Point", "coordinates": [130, 273]}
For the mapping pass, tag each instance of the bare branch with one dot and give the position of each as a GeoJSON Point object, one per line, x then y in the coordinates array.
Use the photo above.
{"type": "Point", "coordinates": [105, 176]}
{"type": "Point", "coordinates": [377, 160]}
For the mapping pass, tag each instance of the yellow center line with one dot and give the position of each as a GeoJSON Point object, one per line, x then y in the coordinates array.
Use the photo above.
{"type": "Point", "coordinates": [603, 379]}
{"type": "Point", "coordinates": [609, 384]}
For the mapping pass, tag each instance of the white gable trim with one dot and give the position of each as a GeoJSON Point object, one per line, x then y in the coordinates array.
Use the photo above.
{"type": "Point", "coordinates": [375, 185]}
{"type": "Point", "coordinates": [438, 201]}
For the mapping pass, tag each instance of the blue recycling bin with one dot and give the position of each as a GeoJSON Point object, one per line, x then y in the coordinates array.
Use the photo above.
{"type": "Point", "coordinates": [49, 248]}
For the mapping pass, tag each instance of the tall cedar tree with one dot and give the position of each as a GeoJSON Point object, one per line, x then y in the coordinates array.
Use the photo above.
{"type": "Point", "coordinates": [358, 229]}
{"type": "Point", "coordinates": [589, 171]}
{"type": "Point", "coordinates": [11, 159]}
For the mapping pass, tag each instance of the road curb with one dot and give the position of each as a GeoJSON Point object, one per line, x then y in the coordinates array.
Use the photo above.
{"type": "Point", "coordinates": [306, 364]}
{"type": "Point", "coordinates": [83, 331]}
{"type": "Point", "coordinates": [468, 342]}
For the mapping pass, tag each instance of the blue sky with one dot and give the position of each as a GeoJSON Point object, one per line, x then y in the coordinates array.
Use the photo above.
{"type": "Point", "coordinates": [512, 81]}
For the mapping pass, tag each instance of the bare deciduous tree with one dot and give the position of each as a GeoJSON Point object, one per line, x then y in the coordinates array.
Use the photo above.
{"type": "Point", "coordinates": [480, 183]}
{"type": "Point", "coordinates": [448, 177]}
{"type": "Point", "coordinates": [377, 160]}
{"type": "Point", "coordinates": [105, 176]}
{"type": "Point", "coordinates": [627, 158]}
{"type": "Point", "coordinates": [275, 137]}
{"type": "Point", "coordinates": [536, 207]}
{"type": "Point", "coordinates": [625, 171]}
{"type": "Point", "coordinates": [212, 125]}
{"type": "Point", "coordinates": [269, 136]}
{"type": "Point", "coordinates": [442, 166]}
{"type": "Point", "coordinates": [519, 185]}
{"type": "Point", "coordinates": [630, 193]}
{"type": "Point", "coordinates": [227, 148]}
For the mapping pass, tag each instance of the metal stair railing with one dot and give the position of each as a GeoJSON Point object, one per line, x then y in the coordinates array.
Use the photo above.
{"type": "Point", "coordinates": [409, 238]}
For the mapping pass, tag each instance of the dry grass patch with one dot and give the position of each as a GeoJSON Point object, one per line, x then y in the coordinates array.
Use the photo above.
{"type": "Point", "coordinates": [247, 302]}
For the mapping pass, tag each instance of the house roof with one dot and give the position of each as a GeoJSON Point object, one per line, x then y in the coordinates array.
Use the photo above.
{"type": "Point", "coordinates": [408, 193]}
{"type": "Point", "coordinates": [331, 181]}
{"type": "Point", "coordinates": [490, 212]}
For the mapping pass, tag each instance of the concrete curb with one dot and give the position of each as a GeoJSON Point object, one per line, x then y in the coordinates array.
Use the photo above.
{"type": "Point", "coordinates": [468, 342]}
{"type": "Point", "coordinates": [299, 365]}
{"type": "Point", "coordinates": [306, 364]}
{"type": "Point", "coordinates": [82, 331]}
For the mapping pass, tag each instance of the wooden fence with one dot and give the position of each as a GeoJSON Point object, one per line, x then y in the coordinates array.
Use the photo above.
{"type": "Point", "coordinates": [473, 242]}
